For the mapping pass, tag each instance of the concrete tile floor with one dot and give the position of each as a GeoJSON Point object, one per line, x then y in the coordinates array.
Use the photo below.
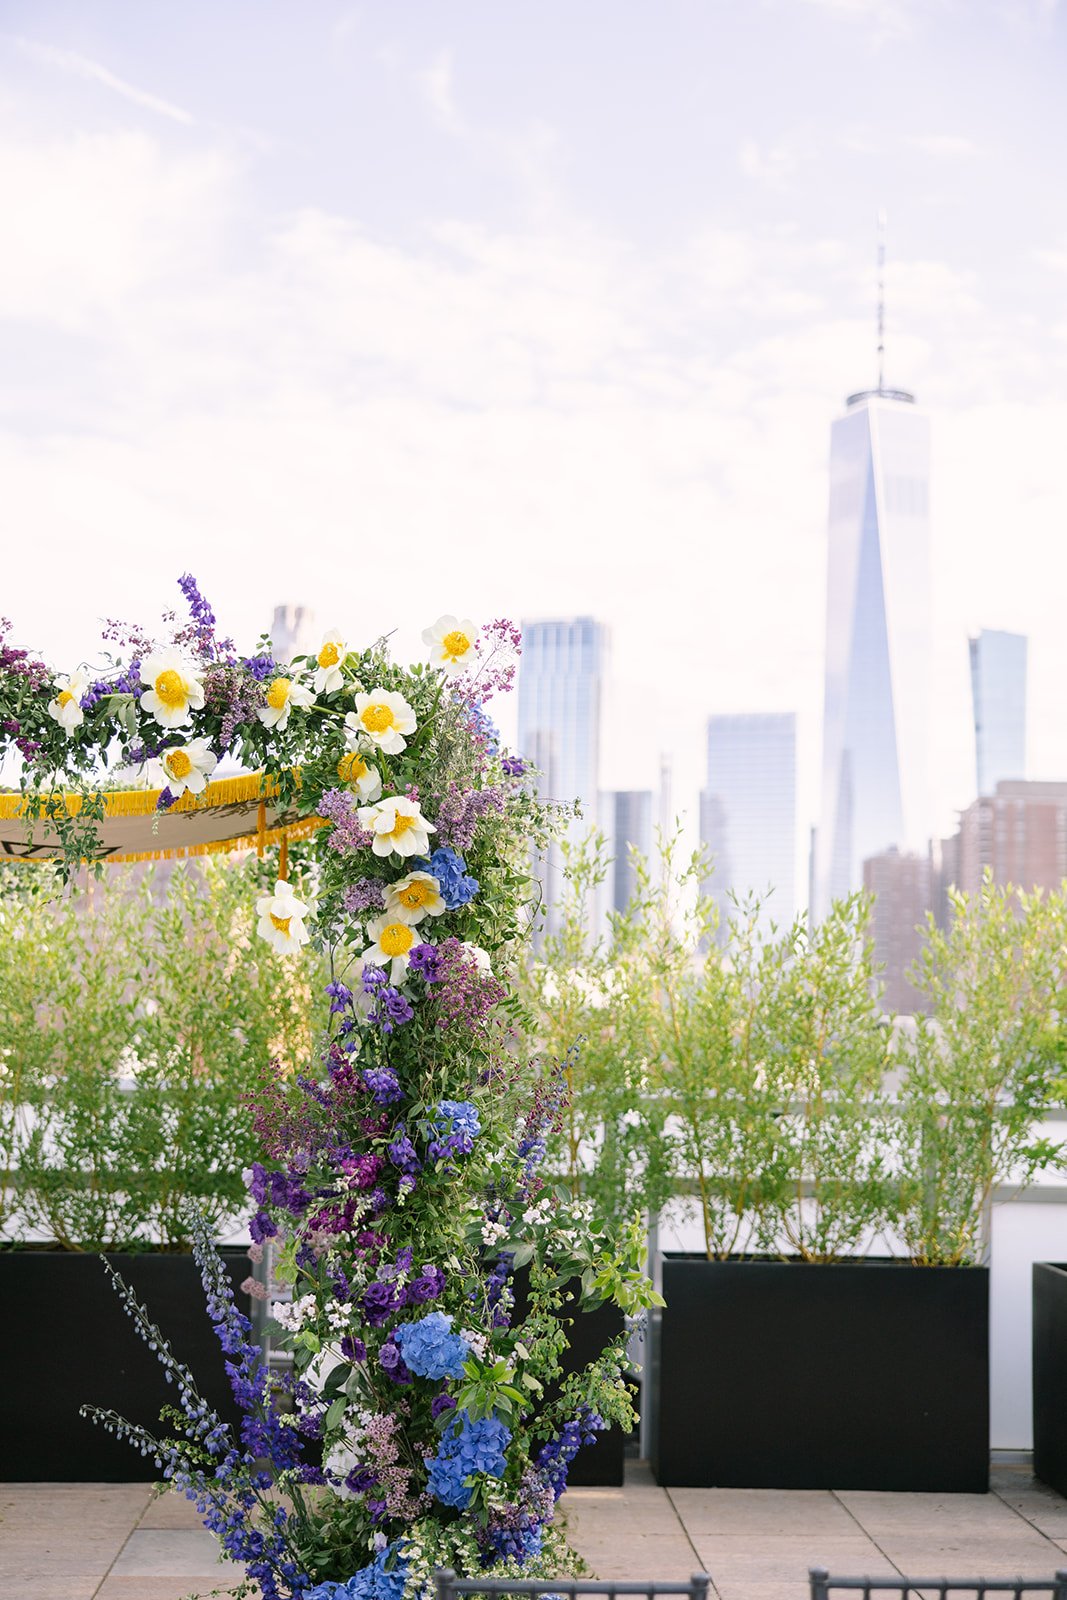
{"type": "Point", "coordinates": [119, 1542]}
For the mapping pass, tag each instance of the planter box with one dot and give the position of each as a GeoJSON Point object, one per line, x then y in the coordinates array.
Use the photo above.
{"type": "Point", "coordinates": [599, 1465]}
{"type": "Point", "coordinates": [862, 1375]}
{"type": "Point", "coordinates": [1050, 1374]}
{"type": "Point", "coordinates": [65, 1341]}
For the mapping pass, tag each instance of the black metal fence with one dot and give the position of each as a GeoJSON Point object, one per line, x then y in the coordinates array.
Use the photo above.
{"type": "Point", "coordinates": [823, 1586]}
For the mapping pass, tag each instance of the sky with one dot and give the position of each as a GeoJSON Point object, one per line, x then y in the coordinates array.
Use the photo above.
{"type": "Point", "coordinates": [535, 309]}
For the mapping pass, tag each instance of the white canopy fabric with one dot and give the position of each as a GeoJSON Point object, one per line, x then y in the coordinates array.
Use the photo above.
{"type": "Point", "coordinates": [232, 814]}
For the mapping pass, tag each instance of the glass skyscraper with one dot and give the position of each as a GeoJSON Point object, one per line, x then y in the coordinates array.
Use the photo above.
{"type": "Point", "coordinates": [998, 687]}
{"type": "Point", "coordinates": [563, 665]}
{"type": "Point", "coordinates": [875, 783]}
{"type": "Point", "coordinates": [748, 812]}
{"type": "Point", "coordinates": [628, 818]}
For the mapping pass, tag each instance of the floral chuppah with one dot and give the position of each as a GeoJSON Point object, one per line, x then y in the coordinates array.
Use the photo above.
{"type": "Point", "coordinates": [422, 1426]}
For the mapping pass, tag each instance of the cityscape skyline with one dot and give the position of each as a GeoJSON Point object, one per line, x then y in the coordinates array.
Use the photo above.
{"type": "Point", "coordinates": [570, 343]}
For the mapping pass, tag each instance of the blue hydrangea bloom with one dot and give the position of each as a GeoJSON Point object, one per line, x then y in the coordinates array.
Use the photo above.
{"type": "Point", "coordinates": [430, 1348]}
{"type": "Point", "coordinates": [460, 1118]}
{"type": "Point", "coordinates": [369, 1583]}
{"type": "Point", "coordinates": [457, 887]}
{"type": "Point", "coordinates": [466, 1447]}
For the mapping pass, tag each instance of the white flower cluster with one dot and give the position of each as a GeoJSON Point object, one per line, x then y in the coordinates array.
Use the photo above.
{"type": "Point", "coordinates": [292, 1314]}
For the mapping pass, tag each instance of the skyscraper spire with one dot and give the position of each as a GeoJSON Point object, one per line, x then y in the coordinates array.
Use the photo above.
{"type": "Point", "coordinates": [880, 392]}
{"type": "Point", "coordinates": [881, 302]}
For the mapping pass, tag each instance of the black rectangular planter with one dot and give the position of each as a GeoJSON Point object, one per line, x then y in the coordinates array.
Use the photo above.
{"type": "Point", "coordinates": [598, 1465]}
{"type": "Point", "coordinates": [861, 1375]}
{"type": "Point", "coordinates": [65, 1341]}
{"type": "Point", "coordinates": [1050, 1374]}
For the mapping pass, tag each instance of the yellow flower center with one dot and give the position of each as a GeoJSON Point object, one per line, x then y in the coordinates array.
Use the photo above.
{"type": "Point", "coordinates": [278, 693]}
{"type": "Point", "coordinates": [177, 764]}
{"type": "Point", "coordinates": [170, 689]}
{"type": "Point", "coordinates": [329, 655]}
{"type": "Point", "coordinates": [377, 717]}
{"type": "Point", "coordinates": [414, 895]}
{"type": "Point", "coordinates": [456, 643]}
{"type": "Point", "coordinates": [281, 923]}
{"type": "Point", "coordinates": [402, 824]}
{"type": "Point", "coordinates": [396, 939]}
{"type": "Point", "coordinates": [64, 697]}
{"type": "Point", "coordinates": [351, 767]}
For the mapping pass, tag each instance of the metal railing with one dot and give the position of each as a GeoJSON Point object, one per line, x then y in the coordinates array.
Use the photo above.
{"type": "Point", "coordinates": [822, 1583]}
{"type": "Point", "coordinates": [451, 1587]}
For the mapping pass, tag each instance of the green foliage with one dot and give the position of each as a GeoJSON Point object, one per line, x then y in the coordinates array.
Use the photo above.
{"type": "Point", "coordinates": [754, 1074]}
{"type": "Point", "coordinates": [131, 1024]}
{"type": "Point", "coordinates": [983, 1068]}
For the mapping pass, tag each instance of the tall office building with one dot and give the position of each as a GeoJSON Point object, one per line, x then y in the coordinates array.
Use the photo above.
{"type": "Point", "coordinates": [748, 812]}
{"type": "Point", "coordinates": [878, 640]}
{"type": "Point", "coordinates": [561, 675]}
{"type": "Point", "coordinates": [998, 688]}
{"type": "Point", "coordinates": [627, 816]}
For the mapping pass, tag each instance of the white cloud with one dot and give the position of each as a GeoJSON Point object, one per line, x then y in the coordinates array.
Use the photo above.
{"type": "Point", "coordinates": [78, 66]}
{"type": "Point", "coordinates": [538, 418]}
{"type": "Point", "coordinates": [436, 85]}
{"type": "Point", "coordinates": [886, 20]}
{"type": "Point", "coordinates": [951, 146]}
{"type": "Point", "coordinates": [101, 218]}
{"type": "Point", "coordinates": [768, 163]}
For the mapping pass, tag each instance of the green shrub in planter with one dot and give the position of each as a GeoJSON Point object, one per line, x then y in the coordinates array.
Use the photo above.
{"type": "Point", "coordinates": [983, 1069]}
{"type": "Point", "coordinates": [132, 1021]}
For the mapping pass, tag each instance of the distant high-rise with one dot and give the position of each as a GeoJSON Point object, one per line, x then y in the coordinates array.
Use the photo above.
{"type": "Point", "coordinates": [1018, 834]}
{"type": "Point", "coordinates": [904, 893]}
{"type": "Point", "coordinates": [292, 632]}
{"type": "Point", "coordinates": [564, 662]}
{"type": "Point", "coordinates": [878, 637]}
{"type": "Point", "coordinates": [628, 815]}
{"type": "Point", "coordinates": [748, 812]}
{"type": "Point", "coordinates": [998, 687]}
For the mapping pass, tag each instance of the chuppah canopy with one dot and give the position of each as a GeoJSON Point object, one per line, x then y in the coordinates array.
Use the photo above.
{"type": "Point", "coordinates": [236, 813]}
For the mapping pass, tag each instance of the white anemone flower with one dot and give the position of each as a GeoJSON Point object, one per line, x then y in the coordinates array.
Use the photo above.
{"type": "Point", "coordinates": [385, 717]}
{"type": "Point", "coordinates": [394, 941]}
{"type": "Point", "coordinates": [413, 897]}
{"type": "Point", "coordinates": [452, 644]}
{"type": "Point", "coordinates": [281, 919]}
{"type": "Point", "coordinates": [355, 770]}
{"type": "Point", "coordinates": [174, 689]}
{"type": "Point", "coordinates": [328, 675]}
{"type": "Point", "coordinates": [282, 695]}
{"type": "Point", "coordinates": [187, 766]}
{"type": "Point", "coordinates": [480, 957]}
{"type": "Point", "coordinates": [65, 707]}
{"type": "Point", "coordinates": [397, 825]}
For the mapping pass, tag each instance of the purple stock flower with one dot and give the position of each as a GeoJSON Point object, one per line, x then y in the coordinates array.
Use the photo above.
{"type": "Point", "coordinates": [383, 1084]}
{"type": "Point", "coordinates": [441, 1403]}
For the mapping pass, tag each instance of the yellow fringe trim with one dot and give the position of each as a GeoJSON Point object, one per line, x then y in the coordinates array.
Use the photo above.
{"type": "Point", "coordinates": [248, 841]}
{"type": "Point", "coordinates": [143, 802]}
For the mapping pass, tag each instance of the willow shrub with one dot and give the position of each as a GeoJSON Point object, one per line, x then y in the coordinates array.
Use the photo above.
{"type": "Point", "coordinates": [133, 1019]}
{"type": "Point", "coordinates": [983, 1069]}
